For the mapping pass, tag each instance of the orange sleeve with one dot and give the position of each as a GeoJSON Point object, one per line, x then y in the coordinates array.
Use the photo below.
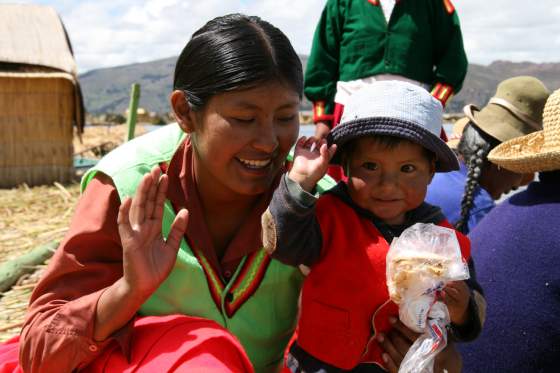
{"type": "Point", "coordinates": [58, 332]}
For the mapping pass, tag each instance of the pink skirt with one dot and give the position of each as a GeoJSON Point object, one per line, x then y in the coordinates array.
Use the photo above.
{"type": "Point", "coordinates": [174, 343]}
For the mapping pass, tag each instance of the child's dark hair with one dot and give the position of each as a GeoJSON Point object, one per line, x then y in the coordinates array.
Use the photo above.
{"type": "Point", "coordinates": [235, 52]}
{"type": "Point", "coordinates": [474, 147]}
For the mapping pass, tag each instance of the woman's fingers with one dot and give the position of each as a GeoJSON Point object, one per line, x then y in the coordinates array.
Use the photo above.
{"type": "Point", "coordinates": [123, 219]}
{"type": "Point", "coordinates": [389, 346]}
{"type": "Point", "coordinates": [407, 333]}
{"type": "Point", "coordinates": [137, 211]}
{"type": "Point", "coordinates": [396, 344]}
{"type": "Point", "coordinates": [178, 229]}
{"type": "Point", "coordinates": [152, 193]}
{"type": "Point", "coordinates": [391, 366]}
{"type": "Point", "coordinates": [160, 198]}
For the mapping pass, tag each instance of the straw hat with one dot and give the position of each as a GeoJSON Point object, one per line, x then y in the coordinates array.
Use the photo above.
{"type": "Point", "coordinates": [458, 127]}
{"type": "Point", "coordinates": [515, 110]}
{"type": "Point", "coordinates": [398, 109]}
{"type": "Point", "coordinates": [539, 151]}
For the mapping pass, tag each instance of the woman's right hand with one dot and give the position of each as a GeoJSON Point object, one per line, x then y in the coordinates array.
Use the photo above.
{"type": "Point", "coordinates": [147, 257]}
{"type": "Point", "coordinates": [398, 341]}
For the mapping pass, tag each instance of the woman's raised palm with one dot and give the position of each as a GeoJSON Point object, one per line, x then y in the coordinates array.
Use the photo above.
{"type": "Point", "coordinates": [147, 257]}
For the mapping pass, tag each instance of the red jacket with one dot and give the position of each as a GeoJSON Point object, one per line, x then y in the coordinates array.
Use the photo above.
{"type": "Point", "coordinates": [346, 291]}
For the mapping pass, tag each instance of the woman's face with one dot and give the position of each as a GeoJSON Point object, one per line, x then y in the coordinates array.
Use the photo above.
{"type": "Point", "coordinates": [241, 138]}
{"type": "Point", "coordinates": [497, 181]}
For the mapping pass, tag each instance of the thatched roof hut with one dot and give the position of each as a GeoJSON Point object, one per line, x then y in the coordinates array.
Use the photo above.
{"type": "Point", "coordinates": [40, 97]}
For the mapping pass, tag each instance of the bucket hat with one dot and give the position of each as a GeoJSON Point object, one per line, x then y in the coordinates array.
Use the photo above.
{"type": "Point", "coordinates": [515, 110]}
{"type": "Point", "coordinates": [399, 109]}
{"type": "Point", "coordinates": [538, 151]}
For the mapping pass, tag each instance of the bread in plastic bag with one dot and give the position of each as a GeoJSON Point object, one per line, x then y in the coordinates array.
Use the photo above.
{"type": "Point", "coordinates": [420, 263]}
{"type": "Point", "coordinates": [422, 260]}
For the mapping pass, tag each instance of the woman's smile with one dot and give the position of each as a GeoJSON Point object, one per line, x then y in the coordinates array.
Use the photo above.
{"type": "Point", "coordinates": [255, 164]}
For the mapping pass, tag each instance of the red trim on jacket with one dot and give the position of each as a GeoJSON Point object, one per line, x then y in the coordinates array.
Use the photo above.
{"type": "Point", "coordinates": [449, 7]}
{"type": "Point", "coordinates": [443, 92]}
{"type": "Point", "coordinates": [345, 300]}
{"type": "Point", "coordinates": [319, 114]}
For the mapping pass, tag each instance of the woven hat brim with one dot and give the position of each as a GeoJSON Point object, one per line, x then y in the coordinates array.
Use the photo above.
{"type": "Point", "coordinates": [348, 131]}
{"type": "Point", "coordinates": [526, 154]}
{"type": "Point", "coordinates": [458, 128]}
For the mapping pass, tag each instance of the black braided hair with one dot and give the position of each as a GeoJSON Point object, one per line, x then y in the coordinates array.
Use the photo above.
{"type": "Point", "coordinates": [473, 147]}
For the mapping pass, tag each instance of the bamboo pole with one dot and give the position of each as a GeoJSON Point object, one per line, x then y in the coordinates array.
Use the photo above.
{"type": "Point", "coordinates": [132, 111]}
{"type": "Point", "coordinates": [12, 270]}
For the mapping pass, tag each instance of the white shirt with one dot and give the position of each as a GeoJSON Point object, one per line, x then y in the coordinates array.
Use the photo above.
{"type": "Point", "coordinates": [387, 6]}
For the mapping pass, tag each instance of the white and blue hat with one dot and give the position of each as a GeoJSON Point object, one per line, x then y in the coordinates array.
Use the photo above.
{"type": "Point", "coordinates": [399, 109]}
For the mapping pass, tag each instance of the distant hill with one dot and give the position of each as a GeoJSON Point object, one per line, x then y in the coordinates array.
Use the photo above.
{"type": "Point", "coordinates": [107, 90]}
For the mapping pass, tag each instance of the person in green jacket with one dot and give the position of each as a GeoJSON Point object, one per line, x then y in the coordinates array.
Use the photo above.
{"type": "Point", "coordinates": [358, 42]}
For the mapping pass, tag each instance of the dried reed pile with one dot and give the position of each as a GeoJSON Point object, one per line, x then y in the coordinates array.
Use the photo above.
{"type": "Point", "coordinates": [95, 136]}
{"type": "Point", "coordinates": [33, 216]}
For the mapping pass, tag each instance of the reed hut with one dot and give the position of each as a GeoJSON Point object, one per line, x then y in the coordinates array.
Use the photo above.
{"type": "Point", "coordinates": [41, 103]}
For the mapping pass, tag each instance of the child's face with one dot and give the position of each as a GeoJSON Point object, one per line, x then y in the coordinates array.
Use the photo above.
{"type": "Point", "coordinates": [389, 181]}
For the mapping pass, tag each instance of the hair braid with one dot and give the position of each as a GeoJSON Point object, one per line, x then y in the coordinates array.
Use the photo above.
{"type": "Point", "coordinates": [474, 164]}
{"type": "Point", "coordinates": [474, 148]}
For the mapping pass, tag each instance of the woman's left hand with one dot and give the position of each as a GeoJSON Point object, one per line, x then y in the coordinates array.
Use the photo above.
{"type": "Point", "coordinates": [398, 341]}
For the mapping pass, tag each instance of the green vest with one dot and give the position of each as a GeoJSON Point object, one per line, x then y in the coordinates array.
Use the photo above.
{"type": "Point", "coordinates": [258, 304]}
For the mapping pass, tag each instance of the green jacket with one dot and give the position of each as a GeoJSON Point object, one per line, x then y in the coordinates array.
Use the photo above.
{"type": "Point", "coordinates": [258, 304]}
{"type": "Point", "coordinates": [422, 41]}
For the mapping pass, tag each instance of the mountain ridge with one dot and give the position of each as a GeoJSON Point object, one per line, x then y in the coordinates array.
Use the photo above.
{"type": "Point", "coordinates": [107, 90]}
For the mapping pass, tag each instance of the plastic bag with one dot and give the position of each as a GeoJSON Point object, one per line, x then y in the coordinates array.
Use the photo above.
{"type": "Point", "coordinates": [420, 357]}
{"type": "Point", "coordinates": [419, 264]}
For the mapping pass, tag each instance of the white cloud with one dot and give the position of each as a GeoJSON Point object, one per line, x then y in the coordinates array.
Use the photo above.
{"type": "Point", "coordinates": [115, 32]}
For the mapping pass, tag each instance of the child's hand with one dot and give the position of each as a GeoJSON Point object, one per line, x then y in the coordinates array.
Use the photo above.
{"type": "Point", "coordinates": [311, 161]}
{"type": "Point", "coordinates": [456, 296]}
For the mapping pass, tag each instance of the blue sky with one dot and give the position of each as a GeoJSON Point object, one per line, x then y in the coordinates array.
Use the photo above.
{"type": "Point", "coordinates": [115, 32]}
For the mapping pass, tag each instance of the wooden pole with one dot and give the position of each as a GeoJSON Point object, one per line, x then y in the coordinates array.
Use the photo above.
{"type": "Point", "coordinates": [12, 270]}
{"type": "Point", "coordinates": [132, 111]}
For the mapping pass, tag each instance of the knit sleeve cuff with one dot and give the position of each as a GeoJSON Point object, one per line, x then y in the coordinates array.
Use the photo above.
{"type": "Point", "coordinates": [443, 92]}
{"type": "Point", "coordinates": [320, 113]}
{"type": "Point", "coordinates": [472, 328]}
{"type": "Point", "coordinates": [298, 194]}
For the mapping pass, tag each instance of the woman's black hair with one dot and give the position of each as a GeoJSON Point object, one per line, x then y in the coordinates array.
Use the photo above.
{"type": "Point", "coordinates": [473, 147]}
{"type": "Point", "coordinates": [235, 52]}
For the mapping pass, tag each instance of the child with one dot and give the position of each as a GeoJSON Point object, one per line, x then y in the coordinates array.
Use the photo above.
{"type": "Point", "coordinates": [389, 146]}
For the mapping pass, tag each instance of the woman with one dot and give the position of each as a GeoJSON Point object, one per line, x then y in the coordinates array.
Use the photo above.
{"type": "Point", "coordinates": [519, 263]}
{"type": "Point", "coordinates": [465, 196]}
{"type": "Point", "coordinates": [237, 90]}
